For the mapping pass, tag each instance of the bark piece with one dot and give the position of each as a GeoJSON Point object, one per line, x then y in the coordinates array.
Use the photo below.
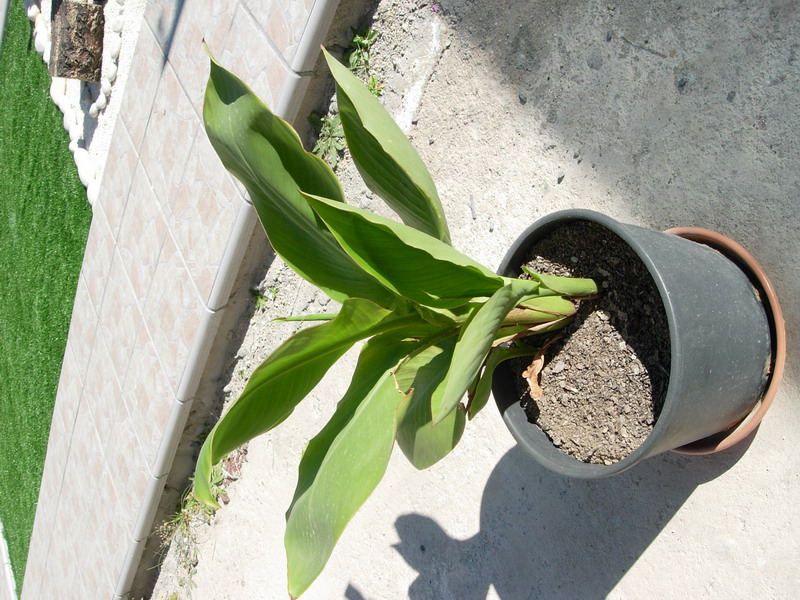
{"type": "Point", "coordinates": [76, 50]}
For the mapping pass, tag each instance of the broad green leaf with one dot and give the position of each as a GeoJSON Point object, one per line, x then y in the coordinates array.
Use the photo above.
{"type": "Point", "coordinates": [442, 316]}
{"type": "Point", "coordinates": [425, 373]}
{"type": "Point", "coordinates": [539, 310]}
{"type": "Point", "coordinates": [388, 163]}
{"type": "Point", "coordinates": [354, 464]}
{"type": "Point", "coordinates": [480, 395]}
{"type": "Point", "coordinates": [286, 376]}
{"type": "Point", "coordinates": [411, 263]}
{"type": "Point", "coordinates": [475, 341]}
{"type": "Point", "coordinates": [565, 286]}
{"type": "Point", "coordinates": [266, 155]}
{"type": "Point", "coordinates": [378, 355]}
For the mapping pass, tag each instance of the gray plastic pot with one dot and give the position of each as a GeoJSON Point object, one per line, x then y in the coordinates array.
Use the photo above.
{"type": "Point", "coordinates": [719, 335]}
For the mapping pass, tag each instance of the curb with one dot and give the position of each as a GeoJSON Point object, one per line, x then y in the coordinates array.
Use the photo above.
{"type": "Point", "coordinates": [6, 574]}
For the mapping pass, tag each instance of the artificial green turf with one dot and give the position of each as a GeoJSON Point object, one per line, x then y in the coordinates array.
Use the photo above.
{"type": "Point", "coordinates": [44, 222]}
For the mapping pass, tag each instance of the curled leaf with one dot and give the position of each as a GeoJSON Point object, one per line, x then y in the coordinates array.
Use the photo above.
{"type": "Point", "coordinates": [534, 370]}
{"type": "Point", "coordinates": [532, 374]}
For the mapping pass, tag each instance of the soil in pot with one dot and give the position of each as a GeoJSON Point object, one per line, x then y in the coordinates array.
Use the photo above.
{"type": "Point", "coordinates": [603, 381]}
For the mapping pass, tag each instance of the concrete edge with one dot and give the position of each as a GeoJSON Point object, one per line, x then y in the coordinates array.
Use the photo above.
{"type": "Point", "coordinates": [7, 574]}
{"type": "Point", "coordinates": [317, 27]}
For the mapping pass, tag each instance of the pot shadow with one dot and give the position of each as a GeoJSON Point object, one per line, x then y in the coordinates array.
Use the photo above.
{"type": "Point", "coordinates": [545, 536]}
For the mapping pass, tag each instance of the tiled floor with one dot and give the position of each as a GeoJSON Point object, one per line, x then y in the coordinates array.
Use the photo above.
{"type": "Point", "coordinates": [154, 283]}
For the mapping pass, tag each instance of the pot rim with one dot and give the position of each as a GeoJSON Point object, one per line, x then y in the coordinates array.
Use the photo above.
{"type": "Point", "coordinates": [750, 267]}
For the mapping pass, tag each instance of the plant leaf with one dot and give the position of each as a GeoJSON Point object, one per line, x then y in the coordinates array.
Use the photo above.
{"type": "Point", "coordinates": [352, 467]}
{"type": "Point", "coordinates": [266, 155]}
{"type": "Point", "coordinates": [564, 286]}
{"type": "Point", "coordinates": [425, 373]}
{"type": "Point", "coordinates": [408, 262]}
{"type": "Point", "coordinates": [475, 341]}
{"type": "Point", "coordinates": [540, 310]}
{"type": "Point", "coordinates": [480, 396]}
{"type": "Point", "coordinates": [286, 376]}
{"type": "Point", "coordinates": [388, 163]}
{"type": "Point", "coordinates": [379, 354]}
{"type": "Point", "coordinates": [315, 317]}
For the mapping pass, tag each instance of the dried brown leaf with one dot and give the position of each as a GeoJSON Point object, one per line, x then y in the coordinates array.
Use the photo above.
{"type": "Point", "coordinates": [532, 374]}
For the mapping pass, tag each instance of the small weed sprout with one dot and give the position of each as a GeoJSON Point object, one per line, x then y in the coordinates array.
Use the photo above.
{"type": "Point", "coordinates": [261, 299]}
{"type": "Point", "coordinates": [375, 86]}
{"type": "Point", "coordinates": [330, 138]}
{"type": "Point", "coordinates": [357, 54]}
{"type": "Point", "coordinates": [177, 530]}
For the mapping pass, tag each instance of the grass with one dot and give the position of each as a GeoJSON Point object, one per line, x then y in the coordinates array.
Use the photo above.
{"type": "Point", "coordinates": [44, 222]}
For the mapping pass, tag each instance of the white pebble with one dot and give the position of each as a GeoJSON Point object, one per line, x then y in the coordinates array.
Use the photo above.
{"type": "Point", "coordinates": [39, 41]}
{"type": "Point", "coordinates": [75, 131]}
{"type": "Point", "coordinates": [33, 10]}
{"type": "Point", "coordinates": [83, 161]}
{"type": "Point", "coordinates": [117, 24]}
{"type": "Point", "coordinates": [65, 106]}
{"type": "Point", "coordinates": [93, 191]}
{"type": "Point", "coordinates": [39, 21]}
{"type": "Point", "coordinates": [101, 101]}
{"type": "Point", "coordinates": [73, 146]}
{"type": "Point", "coordinates": [114, 46]}
{"type": "Point", "coordinates": [58, 87]}
{"type": "Point", "coordinates": [46, 53]}
{"type": "Point", "coordinates": [94, 111]}
{"type": "Point", "coordinates": [105, 86]}
{"type": "Point", "coordinates": [111, 73]}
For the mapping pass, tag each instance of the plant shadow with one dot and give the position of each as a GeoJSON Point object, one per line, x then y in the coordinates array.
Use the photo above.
{"type": "Point", "coordinates": [545, 536]}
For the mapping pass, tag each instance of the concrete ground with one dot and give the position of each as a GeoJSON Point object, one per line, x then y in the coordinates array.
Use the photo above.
{"type": "Point", "coordinates": [659, 114]}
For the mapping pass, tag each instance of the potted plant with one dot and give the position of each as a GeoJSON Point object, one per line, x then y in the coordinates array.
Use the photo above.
{"type": "Point", "coordinates": [435, 323]}
{"type": "Point", "coordinates": [719, 352]}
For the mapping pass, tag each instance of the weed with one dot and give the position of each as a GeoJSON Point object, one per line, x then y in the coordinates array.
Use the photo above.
{"type": "Point", "coordinates": [177, 530]}
{"type": "Point", "coordinates": [262, 300]}
{"type": "Point", "coordinates": [375, 85]}
{"type": "Point", "coordinates": [357, 54]}
{"type": "Point", "coordinates": [330, 135]}
{"type": "Point", "coordinates": [330, 139]}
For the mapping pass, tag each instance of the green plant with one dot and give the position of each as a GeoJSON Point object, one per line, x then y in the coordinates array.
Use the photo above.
{"type": "Point", "coordinates": [375, 86]}
{"type": "Point", "coordinates": [330, 135]}
{"type": "Point", "coordinates": [176, 532]}
{"type": "Point", "coordinates": [435, 321]}
{"type": "Point", "coordinates": [357, 53]}
{"type": "Point", "coordinates": [330, 138]}
{"type": "Point", "coordinates": [262, 300]}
